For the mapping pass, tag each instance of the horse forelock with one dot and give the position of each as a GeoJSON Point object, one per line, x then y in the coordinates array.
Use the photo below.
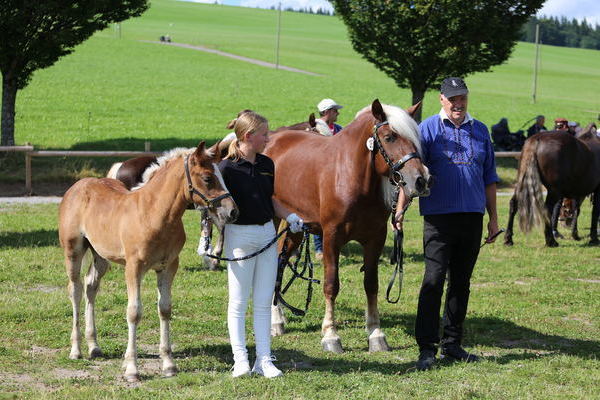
{"type": "Point", "coordinates": [400, 122]}
{"type": "Point", "coordinates": [161, 162]}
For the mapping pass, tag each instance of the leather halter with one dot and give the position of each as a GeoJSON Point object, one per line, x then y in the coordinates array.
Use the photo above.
{"type": "Point", "coordinates": [396, 176]}
{"type": "Point", "coordinates": [210, 203]}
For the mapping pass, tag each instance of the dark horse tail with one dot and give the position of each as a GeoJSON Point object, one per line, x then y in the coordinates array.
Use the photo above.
{"type": "Point", "coordinates": [532, 211]}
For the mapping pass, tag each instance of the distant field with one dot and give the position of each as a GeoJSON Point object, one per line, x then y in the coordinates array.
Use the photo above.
{"type": "Point", "coordinates": [115, 93]}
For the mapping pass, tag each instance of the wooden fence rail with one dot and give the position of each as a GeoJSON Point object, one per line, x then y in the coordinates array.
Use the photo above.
{"type": "Point", "coordinates": [30, 153]}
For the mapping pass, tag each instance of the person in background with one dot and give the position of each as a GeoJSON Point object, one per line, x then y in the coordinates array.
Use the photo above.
{"type": "Point", "coordinates": [458, 151]}
{"type": "Point", "coordinates": [537, 127]}
{"type": "Point", "coordinates": [326, 126]}
{"type": "Point", "coordinates": [573, 128]}
{"type": "Point", "coordinates": [561, 124]}
{"type": "Point", "coordinates": [501, 135]}
{"type": "Point", "coordinates": [328, 115]}
{"type": "Point", "coordinates": [249, 175]}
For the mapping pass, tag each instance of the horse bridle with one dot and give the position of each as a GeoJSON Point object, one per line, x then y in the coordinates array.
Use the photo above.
{"type": "Point", "coordinates": [396, 177]}
{"type": "Point", "coordinates": [210, 203]}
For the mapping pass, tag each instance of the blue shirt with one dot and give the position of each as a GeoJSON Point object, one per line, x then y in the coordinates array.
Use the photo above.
{"type": "Point", "coordinates": [462, 163]}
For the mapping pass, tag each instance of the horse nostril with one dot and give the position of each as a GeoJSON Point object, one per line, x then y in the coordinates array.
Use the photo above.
{"type": "Point", "coordinates": [430, 182]}
{"type": "Point", "coordinates": [233, 214]}
{"type": "Point", "coordinates": [420, 184]}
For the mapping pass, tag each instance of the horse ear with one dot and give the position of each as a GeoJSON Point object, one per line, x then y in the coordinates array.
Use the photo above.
{"type": "Point", "coordinates": [199, 153]}
{"type": "Point", "coordinates": [412, 110]}
{"type": "Point", "coordinates": [214, 151]}
{"type": "Point", "coordinates": [377, 111]}
{"type": "Point", "coordinates": [312, 121]}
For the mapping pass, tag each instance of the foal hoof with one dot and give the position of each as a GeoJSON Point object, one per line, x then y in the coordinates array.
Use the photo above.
{"type": "Point", "coordinates": [552, 244]}
{"type": "Point", "coordinates": [75, 355]}
{"type": "Point", "coordinates": [332, 345]}
{"type": "Point", "coordinates": [132, 378]}
{"type": "Point", "coordinates": [508, 243]}
{"type": "Point", "coordinates": [594, 242]}
{"type": "Point", "coordinates": [377, 344]}
{"type": "Point", "coordinates": [277, 329]}
{"type": "Point", "coordinates": [96, 352]}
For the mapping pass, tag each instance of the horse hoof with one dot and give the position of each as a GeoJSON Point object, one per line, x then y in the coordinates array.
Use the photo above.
{"type": "Point", "coordinates": [377, 344]}
{"type": "Point", "coordinates": [552, 244]}
{"type": "Point", "coordinates": [576, 237]}
{"type": "Point", "coordinates": [594, 242]}
{"type": "Point", "coordinates": [96, 352]}
{"type": "Point", "coordinates": [132, 378]}
{"type": "Point", "coordinates": [277, 329]}
{"type": "Point", "coordinates": [75, 355]}
{"type": "Point", "coordinates": [170, 372]}
{"type": "Point", "coordinates": [508, 243]}
{"type": "Point", "coordinates": [332, 345]}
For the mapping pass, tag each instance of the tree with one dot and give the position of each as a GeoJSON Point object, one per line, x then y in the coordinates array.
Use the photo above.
{"type": "Point", "coordinates": [419, 42]}
{"type": "Point", "coordinates": [36, 33]}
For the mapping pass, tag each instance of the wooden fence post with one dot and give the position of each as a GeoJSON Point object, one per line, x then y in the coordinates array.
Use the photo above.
{"type": "Point", "coordinates": [146, 146]}
{"type": "Point", "coordinates": [28, 171]}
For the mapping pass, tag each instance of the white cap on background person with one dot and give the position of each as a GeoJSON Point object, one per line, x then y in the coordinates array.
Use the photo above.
{"type": "Point", "coordinates": [327, 104]}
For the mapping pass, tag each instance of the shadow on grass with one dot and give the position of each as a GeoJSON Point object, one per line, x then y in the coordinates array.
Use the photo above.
{"type": "Point", "coordinates": [136, 144]}
{"type": "Point", "coordinates": [39, 238]}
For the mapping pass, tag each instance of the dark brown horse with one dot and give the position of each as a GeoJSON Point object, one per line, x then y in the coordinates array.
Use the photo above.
{"type": "Point", "coordinates": [568, 167]}
{"type": "Point", "coordinates": [340, 184]}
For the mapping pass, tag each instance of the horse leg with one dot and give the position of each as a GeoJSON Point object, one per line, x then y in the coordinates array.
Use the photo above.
{"type": "Point", "coordinates": [576, 208]}
{"type": "Point", "coordinates": [595, 216]}
{"type": "Point", "coordinates": [73, 259]}
{"type": "Point", "coordinates": [514, 207]}
{"type": "Point", "coordinates": [92, 284]}
{"type": "Point", "coordinates": [372, 251]}
{"type": "Point", "coordinates": [164, 281]}
{"type": "Point", "coordinates": [555, 212]}
{"type": "Point", "coordinates": [133, 277]}
{"type": "Point", "coordinates": [331, 287]}
{"type": "Point", "coordinates": [551, 201]}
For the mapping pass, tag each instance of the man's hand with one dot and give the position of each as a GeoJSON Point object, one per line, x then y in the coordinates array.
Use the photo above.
{"type": "Point", "coordinates": [492, 230]}
{"type": "Point", "coordinates": [398, 219]}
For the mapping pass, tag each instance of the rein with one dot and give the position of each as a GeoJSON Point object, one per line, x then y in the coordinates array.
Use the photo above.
{"type": "Point", "coordinates": [396, 179]}
{"type": "Point", "coordinates": [210, 203]}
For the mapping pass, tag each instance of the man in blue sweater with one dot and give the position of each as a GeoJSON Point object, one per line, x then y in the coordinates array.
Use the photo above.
{"type": "Point", "coordinates": [458, 151]}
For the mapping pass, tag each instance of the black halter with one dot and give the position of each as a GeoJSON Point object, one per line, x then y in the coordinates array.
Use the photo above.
{"type": "Point", "coordinates": [396, 177]}
{"type": "Point", "coordinates": [210, 203]}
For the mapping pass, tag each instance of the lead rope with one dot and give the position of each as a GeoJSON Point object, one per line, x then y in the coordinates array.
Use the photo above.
{"type": "Point", "coordinates": [397, 255]}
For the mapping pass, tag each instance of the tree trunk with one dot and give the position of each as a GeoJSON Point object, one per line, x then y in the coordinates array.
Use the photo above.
{"type": "Point", "coordinates": [9, 97]}
{"type": "Point", "coordinates": [418, 94]}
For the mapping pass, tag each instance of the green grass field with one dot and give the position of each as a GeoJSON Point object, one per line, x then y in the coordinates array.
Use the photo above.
{"type": "Point", "coordinates": [533, 315]}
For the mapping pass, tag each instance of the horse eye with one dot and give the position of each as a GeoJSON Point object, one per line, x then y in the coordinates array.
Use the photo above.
{"type": "Point", "coordinates": [389, 138]}
{"type": "Point", "coordinates": [208, 179]}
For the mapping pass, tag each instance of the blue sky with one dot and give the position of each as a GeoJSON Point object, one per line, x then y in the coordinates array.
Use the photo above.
{"type": "Point", "coordinates": [579, 9]}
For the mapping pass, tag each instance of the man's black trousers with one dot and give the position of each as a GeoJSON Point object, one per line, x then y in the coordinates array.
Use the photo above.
{"type": "Point", "coordinates": [451, 246]}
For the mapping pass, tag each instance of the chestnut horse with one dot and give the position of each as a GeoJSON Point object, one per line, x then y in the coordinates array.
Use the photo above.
{"type": "Point", "coordinates": [568, 167]}
{"type": "Point", "coordinates": [340, 184]}
{"type": "Point", "coordinates": [142, 230]}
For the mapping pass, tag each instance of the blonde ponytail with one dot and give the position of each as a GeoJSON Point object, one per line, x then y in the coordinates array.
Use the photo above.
{"type": "Point", "coordinates": [247, 122]}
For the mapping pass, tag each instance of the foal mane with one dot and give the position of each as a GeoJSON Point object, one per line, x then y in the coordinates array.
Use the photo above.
{"type": "Point", "coordinates": [161, 161]}
{"type": "Point", "coordinates": [400, 122]}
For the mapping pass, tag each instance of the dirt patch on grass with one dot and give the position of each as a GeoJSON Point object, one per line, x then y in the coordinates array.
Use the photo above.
{"type": "Point", "coordinates": [63, 373]}
{"type": "Point", "coordinates": [22, 382]}
{"type": "Point", "coordinates": [39, 350]}
{"type": "Point", "coordinates": [588, 280]}
{"type": "Point", "coordinates": [45, 288]}
{"type": "Point", "coordinates": [583, 320]}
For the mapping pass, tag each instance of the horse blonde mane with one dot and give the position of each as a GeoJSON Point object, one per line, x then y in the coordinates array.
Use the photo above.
{"type": "Point", "coordinates": [400, 122]}
{"type": "Point", "coordinates": [161, 161]}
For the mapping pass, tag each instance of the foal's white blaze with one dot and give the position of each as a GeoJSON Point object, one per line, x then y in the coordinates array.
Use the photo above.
{"type": "Point", "coordinates": [220, 177]}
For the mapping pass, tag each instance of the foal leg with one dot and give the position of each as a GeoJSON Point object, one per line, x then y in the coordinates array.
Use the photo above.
{"type": "Point", "coordinates": [514, 207]}
{"type": "Point", "coordinates": [278, 319]}
{"type": "Point", "coordinates": [133, 277]}
{"type": "Point", "coordinates": [218, 250]}
{"type": "Point", "coordinates": [164, 281]}
{"type": "Point", "coordinates": [92, 284]}
{"type": "Point", "coordinates": [372, 251]}
{"type": "Point", "coordinates": [73, 259]}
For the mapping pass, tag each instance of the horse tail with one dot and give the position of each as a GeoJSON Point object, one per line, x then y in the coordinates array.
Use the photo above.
{"type": "Point", "coordinates": [532, 211]}
{"type": "Point", "coordinates": [112, 172]}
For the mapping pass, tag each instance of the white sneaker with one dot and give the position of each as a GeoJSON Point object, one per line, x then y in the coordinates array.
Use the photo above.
{"type": "Point", "coordinates": [240, 368]}
{"type": "Point", "coordinates": [264, 366]}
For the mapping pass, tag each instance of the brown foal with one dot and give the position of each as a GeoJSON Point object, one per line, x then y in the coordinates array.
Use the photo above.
{"type": "Point", "coordinates": [142, 230]}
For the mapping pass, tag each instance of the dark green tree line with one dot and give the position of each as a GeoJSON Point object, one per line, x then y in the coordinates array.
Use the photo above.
{"type": "Point", "coordinates": [562, 32]}
{"type": "Point", "coordinates": [419, 42]}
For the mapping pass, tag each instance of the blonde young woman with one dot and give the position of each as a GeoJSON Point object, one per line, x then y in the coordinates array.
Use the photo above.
{"type": "Point", "coordinates": [249, 176]}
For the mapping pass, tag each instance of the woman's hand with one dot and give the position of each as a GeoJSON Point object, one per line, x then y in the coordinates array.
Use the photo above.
{"type": "Point", "coordinates": [295, 223]}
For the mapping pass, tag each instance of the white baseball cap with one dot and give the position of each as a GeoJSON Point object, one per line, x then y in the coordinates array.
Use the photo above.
{"type": "Point", "coordinates": [327, 104]}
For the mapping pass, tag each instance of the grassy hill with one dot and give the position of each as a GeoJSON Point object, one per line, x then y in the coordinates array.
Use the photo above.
{"type": "Point", "coordinates": [116, 91]}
